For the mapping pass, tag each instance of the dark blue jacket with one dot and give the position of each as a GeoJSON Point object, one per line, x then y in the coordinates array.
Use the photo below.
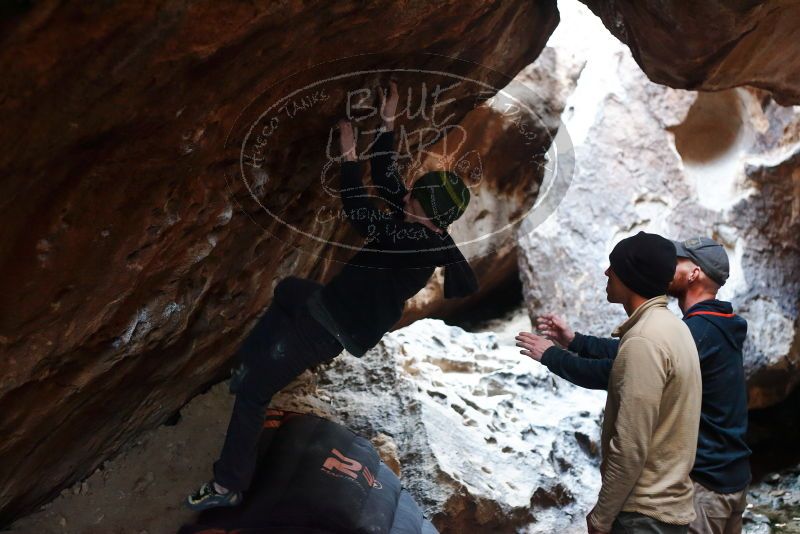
{"type": "Point", "coordinates": [721, 463]}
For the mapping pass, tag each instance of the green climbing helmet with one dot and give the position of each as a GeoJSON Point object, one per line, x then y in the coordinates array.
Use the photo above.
{"type": "Point", "coordinates": [443, 195]}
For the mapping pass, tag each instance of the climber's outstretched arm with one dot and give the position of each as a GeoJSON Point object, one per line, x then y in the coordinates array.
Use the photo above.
{"type": "Point", "coordinates": [358, 208]}
{"type": "Point", "coordinates": [385, 174]}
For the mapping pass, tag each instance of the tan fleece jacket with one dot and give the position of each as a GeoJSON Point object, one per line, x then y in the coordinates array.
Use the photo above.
{"type": "Point", "coordinates": [651, 420]}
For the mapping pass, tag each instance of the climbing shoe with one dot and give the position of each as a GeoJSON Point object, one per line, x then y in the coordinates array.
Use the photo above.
{"type": "Point", "coordinates": [207, 497]}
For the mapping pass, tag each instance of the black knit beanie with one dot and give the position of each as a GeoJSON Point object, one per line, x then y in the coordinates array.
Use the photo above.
{"type": "Point", "coordinates": [645, 263]}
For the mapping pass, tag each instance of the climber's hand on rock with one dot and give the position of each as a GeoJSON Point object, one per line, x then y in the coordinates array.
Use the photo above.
{"type": "Point", "coordinates": [347, 140]}
{"type": "Point", "coordinates": [556, 328]}
{"type": "Point", "coordinates": [532, 345]}
{"type": "Point", "coordinates": [389, 105]}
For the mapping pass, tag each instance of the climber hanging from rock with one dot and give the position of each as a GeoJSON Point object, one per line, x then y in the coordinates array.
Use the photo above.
{"type": "Point", "coordinates": [307, 323]}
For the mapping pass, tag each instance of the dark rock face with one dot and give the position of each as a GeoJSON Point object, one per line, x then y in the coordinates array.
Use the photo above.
{"type": "Point", "coordinates": [130, 264]}
{"type": "Point", "coordinates": [711, 45]}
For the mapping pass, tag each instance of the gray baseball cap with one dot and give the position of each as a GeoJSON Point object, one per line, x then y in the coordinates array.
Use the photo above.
{"type": "Point", "coordinates": [709, 255]}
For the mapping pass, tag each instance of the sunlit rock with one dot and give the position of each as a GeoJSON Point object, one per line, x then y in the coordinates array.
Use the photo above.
{"type": "Point", "coordinates": [679, 163]}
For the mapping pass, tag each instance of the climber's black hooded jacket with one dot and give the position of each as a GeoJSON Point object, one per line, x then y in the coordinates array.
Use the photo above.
{"type": "Point", "coordinates": [721, 463]}
{"type": "Point", "coordinates": [366, 298]}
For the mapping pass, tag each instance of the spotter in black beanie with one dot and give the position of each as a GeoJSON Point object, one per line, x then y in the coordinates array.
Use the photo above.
{"type": "Point", "coordinates": [645, 263]}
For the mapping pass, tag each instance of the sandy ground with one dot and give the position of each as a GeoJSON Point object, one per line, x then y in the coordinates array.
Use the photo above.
{"type": "Point", "coordinates": [140, 490]}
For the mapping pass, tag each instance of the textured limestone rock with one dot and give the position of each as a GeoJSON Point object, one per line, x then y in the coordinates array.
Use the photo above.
{"type": "Point", "coordinates": [711, 45]}
{"type": "Point", "coordinates": [774, 504]}
{"type": "Point", "coordinates": [681, 164]}
{"type": "Point", "coordinates": [132, 256]}
{"type": "Point", "coordinates": [488, 440]}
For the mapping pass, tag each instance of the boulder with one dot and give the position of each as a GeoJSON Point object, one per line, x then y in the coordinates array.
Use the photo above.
{"type": "Point", "coordinates": [487, 440]}
{"type": "Point", "coordinates": [711, 45]}
{"type": "Point", "coordinates": [681, 164]}
{"type": "Point", "coordinates": [162, 170]}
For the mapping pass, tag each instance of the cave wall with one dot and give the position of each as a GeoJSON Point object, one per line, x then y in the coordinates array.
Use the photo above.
{"type": "Point", "coordinates": [132, 259]}
{"type": "Point", "coordinates": [711, 45]}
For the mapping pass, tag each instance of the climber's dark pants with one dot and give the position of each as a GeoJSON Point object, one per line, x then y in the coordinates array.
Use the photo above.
{"type": "Point", "coordinates": [285, 342]}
